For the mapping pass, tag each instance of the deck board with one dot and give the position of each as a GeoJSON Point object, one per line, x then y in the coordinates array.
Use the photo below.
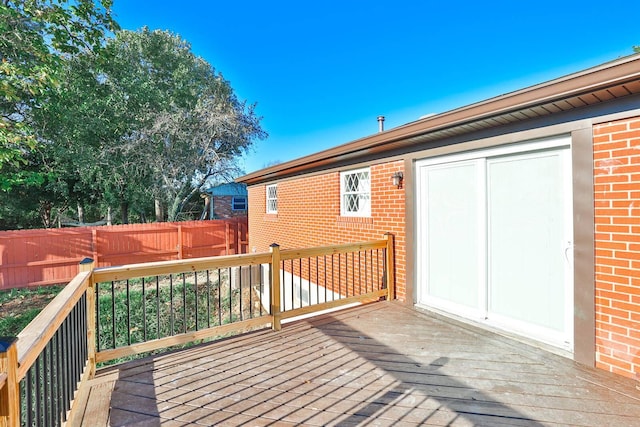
{"type": "Point", "coordinates": [97, 408]}
{"type": "Point", "coordinates": [380, 364]}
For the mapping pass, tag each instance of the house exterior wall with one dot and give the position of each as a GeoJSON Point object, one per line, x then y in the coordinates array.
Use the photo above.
{"type": "Point", "coordinates": [617, 245]}
{"type": "Point", "coordinates": [223, 208]}
{"type": "Point", "coordinates": [309, 215]}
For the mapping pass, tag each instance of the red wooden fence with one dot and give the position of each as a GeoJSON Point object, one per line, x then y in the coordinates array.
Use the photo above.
{"type": "Point", "coordinates": [44, 257]}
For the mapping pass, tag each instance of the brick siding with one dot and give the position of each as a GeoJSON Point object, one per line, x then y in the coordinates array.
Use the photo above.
{"type": "Point", "coordinates": [309, 215]}
{"type": "Point", "coordinates": [617, 245]}
{"type": "Point", "coordinates": [223, 208]}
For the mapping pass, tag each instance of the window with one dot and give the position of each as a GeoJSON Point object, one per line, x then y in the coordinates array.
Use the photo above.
{"type": "Point", "coordinates": [239, 203]}
{"type": "Point", "coordinates": [272, 198]}
{"type": "Point", "coordinates": [355, 193]}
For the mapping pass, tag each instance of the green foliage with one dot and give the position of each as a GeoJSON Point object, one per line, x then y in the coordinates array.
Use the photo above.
{"type": "Point", "coordinates": [25, 293]}
{"type": "Point", "coordinates": [11, 325]}
{"type": "Point", "coordinates": [197, 128]}
{"type": "Point", "coordinates": [35, 36]}
{"type": "Point", "coordinates": [127, 122]}
{"type": "Point", "coordinates": [144, 120]}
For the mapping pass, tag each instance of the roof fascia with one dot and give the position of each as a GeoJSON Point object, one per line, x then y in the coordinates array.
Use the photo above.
{"type": "Point", "coordinates": [592, 79]}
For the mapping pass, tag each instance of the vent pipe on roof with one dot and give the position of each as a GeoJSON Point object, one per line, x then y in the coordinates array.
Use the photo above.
{"type": "Point", "coordinates": [380, 123]}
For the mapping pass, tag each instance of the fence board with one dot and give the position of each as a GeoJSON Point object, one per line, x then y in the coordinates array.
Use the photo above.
{"type": "Point", "coordinates": [44, 257]}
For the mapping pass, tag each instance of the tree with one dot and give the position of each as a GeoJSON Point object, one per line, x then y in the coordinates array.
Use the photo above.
{"type": "Point", "coordinates": [197, 127]}
{"type": "Point", "coordinates": [34, 36]}
{"type": "Point", "coordinates": [146, 120]}
{"type": "Point", "coordinates": [187, 148]}
{"type": "Point", "coordinates": [83, 124]}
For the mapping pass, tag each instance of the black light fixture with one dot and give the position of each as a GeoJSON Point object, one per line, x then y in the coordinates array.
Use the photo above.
{"type": "Point", "coordinates": [397, 178]}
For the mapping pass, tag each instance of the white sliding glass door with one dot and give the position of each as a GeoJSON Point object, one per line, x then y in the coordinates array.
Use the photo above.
{"type": "Point", "coordinates": [453, 256]}
{"type": "Point", "coordinates": [495, 238]}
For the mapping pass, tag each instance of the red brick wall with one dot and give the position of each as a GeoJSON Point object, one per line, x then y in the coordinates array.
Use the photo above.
{"type": "Point", "coordinates": [309, 215]}
{"type": "Point", "coordinates": [617, 245]}
{"type": "Point", "coordinates": [223, 208]}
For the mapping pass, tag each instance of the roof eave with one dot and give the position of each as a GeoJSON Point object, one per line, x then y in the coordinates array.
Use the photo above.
{"type": "Point", "coordinates": [606, 75]}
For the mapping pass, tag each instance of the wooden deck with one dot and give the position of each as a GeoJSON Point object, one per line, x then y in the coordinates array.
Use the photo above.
{"type": "Point", "coordinates": [379, 364]}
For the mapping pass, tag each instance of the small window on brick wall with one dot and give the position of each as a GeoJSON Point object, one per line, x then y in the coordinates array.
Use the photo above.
{"type": "Point", "coordinates": [272, 199]}
{"type": "Point", "coordinates": [239, 203]}
{"type": "Point", "coordinates": [355, 193]}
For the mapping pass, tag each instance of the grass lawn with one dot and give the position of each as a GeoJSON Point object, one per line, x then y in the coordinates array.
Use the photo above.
{"type": "Point", "coordinates": [20, 305]}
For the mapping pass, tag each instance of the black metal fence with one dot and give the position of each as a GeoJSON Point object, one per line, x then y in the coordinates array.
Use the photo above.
{"type": "Point", "coordinates": [326, 278]}
{"type": "Point", "coordinates": [51, 382]}
{"type": "Point", "coordinates": [141, 309]}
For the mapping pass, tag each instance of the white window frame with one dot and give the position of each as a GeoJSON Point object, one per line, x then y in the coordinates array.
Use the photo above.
{"type": "Point", "coordinates": [240, 199]}
{"type": "Point", "coordinates": [363, 193]}
{"type": "Point", "coordinates": [271, 194]}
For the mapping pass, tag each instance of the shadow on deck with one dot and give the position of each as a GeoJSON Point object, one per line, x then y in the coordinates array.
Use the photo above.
{"type": "Point", "coordinates": [378, 364]}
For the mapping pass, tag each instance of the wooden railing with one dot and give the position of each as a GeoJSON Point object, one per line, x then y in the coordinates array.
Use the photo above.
{"type": "Point", "coordinates": [108, 314]}
{"type": "Point", "coordinates": [135, 302]}
{"type": "Point", "coordinates": [48, 360]}
{"type": "Point", "coordinates": [315, 279]}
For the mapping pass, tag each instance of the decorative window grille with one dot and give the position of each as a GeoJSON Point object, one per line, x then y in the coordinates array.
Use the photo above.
{"type": "Point", "coordinates": [239, 203]}
{"type": "Point", "coordinates": [272, 198]}
{"type": "Point", "coordinates": [355, 193]}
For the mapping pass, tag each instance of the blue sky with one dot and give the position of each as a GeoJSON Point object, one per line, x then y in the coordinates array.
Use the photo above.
{"type": "Point", "coordinates": [321, 72]}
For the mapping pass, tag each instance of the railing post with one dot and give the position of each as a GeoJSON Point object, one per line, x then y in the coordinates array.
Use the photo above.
{"type": "Point", "coordinates": [87, 264]}
{"type": "Point", "coordinates": [389, 274]}
{"type": "Point", "coordinates": [275, 286]}
{"type": "Point", "coordinates": [10, 392]}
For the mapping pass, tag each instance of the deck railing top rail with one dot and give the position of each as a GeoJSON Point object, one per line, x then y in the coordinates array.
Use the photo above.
{"type": "Point", "coordinates": [35, 336]}
{"type": "Point", "coordinates": [130, 271]}
{"type": "Point", "coordinates": [331, 250]}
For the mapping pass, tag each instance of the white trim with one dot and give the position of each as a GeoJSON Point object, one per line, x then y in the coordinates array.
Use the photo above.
{"type": "Point", "coordinates": [424, 265]}
{"type": "Point", "coordinates": [364, 210]}
{"type": "Point", "coordinates": [536, 332]}
{"type": "Point", "coordinates": [270, 206]}
{"type": "Point", "coordinates": [420, 239]}
{"type": "Point", "coordinates": [475, 314]}
{"type": "Point", "coordinates": [542, 144]}
{"type": "Point", "coordinates": [551, 348]}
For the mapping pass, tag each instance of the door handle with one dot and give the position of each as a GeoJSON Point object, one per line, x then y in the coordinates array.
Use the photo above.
{"type": "Point", "coordinates": [568, 247]}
